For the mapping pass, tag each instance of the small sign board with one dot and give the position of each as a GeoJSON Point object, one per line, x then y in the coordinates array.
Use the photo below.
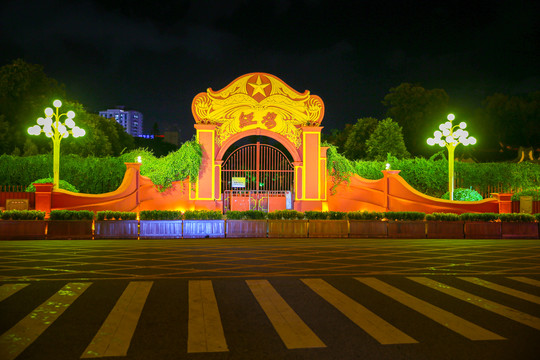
{"type": "Point", "coordinates": [238, 182]}
{"type": "Point", "coordinates": [288, 200]}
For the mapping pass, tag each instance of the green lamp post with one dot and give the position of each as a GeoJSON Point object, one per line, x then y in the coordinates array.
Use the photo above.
{"type": "Point", "coordinates": [53, 128]}
{"type": "Point", "coordinates": [451, 136]}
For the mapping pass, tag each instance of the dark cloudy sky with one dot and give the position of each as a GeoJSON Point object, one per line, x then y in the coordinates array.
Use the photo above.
{"type": "Point", "coordinates": [155, 56]}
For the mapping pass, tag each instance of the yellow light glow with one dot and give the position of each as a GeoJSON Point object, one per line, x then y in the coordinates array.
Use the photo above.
{"type": "Point", "coordinates": [451, 117]}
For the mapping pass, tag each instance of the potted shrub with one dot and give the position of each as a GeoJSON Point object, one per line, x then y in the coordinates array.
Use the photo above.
{"type": "Point", "coordinates": [327, 223]}
{"type": "Point", "coordinates": [203, 224]}
{"type": "Point", "coordinates": [250, 223]}
{"type": "Point", "coordinates": [367, 224]}
{"type": "Point", "coordinates": [518, 226]}
{"type": "Point", "coordinates": [444, 226]}
{"type": "Point", "coordinates": [287, 223]}
{"type": "Point", "coordinates": [406, 224]}
{"type": "Point", "coordinates": [116, 225]}
{"type": "Point", "coordinates": [22, 225]}
{"type": "Point", "coordinates": [160, 224]}
{"type": "Point", "coordinates": [70, 224]}
{"type": "Point", "coordinates": [481, 225]}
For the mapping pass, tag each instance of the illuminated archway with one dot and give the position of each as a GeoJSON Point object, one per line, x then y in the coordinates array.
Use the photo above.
{"type": "Point", "coordinates": [261, 104]}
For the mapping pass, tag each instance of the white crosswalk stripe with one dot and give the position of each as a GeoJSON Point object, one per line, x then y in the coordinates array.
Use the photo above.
{"type": "Point", "coordinates": [206, 333]}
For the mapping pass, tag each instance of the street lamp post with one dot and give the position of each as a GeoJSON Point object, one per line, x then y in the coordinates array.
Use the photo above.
{"type": "Point", "coordinates": [53, 128]}
{"type": "Point", "coordinates": [451, 136]}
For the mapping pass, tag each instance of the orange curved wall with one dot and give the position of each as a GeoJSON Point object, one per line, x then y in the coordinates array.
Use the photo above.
{"type": "Point", "coordinates": [393, 193]}
{"type": "Point", "coordinates": [122, 199]}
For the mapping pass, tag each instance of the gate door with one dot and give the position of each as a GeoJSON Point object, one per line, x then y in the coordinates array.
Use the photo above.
{"type": "Point", "coordinates": [258, 167]}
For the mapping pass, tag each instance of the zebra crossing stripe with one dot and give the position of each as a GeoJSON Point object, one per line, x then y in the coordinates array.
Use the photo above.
{"type": "Point", "coordinates": [293, 331]}
{"type": "Point", "coordinates": [14, 341]}
{"type": "Point", "coordinates": [525, 280]}
{"type": "Point", "coordinates": [499, 309]}
{"type": "Point", "coordinates": [443, 317]}
{"type": "Point", "coordinates": [378, 328]}
{"type": "Point", "coordinates": [503, 289]}
{"type": "Point", "coordinates": [7, 290]}
{"type": "Point", "coordinates": [114, 336]}
{"type": "Point", "coordinates": [205, 331]}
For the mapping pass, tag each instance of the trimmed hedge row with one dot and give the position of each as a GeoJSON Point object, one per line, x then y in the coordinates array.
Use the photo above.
{"type": "Point", "coordinates": [260, 215]}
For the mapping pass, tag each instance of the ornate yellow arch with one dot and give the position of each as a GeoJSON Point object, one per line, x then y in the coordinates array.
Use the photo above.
{"type": "Point", "coordinates": [258, 100]}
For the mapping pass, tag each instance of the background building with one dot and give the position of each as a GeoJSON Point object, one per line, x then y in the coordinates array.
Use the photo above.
{"type": "Point", "coordinates": [131, 120]}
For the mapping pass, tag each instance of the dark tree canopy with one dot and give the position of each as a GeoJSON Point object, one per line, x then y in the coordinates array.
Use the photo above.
{"type": "Point", "coordinates": [25, 92]}
{"type": "Point", "coordinates": [418, 111]}
{"type": "Point", "coordinates": [387, 138]}
{"type": "Point", "coordinates": [512, 121]}
{"type": "Point", "coordinates": [355, 147]}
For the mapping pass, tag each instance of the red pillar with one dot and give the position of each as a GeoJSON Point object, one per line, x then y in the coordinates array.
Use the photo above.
{"type": "Point", "coordinates": [387, 174]}
{"type": "Point", "coordinates": [44, 197]}
{"type": "Point", "coordinates": [137, 167]}
{"type": "Point", "coordinates": [505, 202]}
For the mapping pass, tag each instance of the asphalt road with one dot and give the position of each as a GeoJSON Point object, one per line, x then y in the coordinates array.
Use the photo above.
{"type": "Point", "coordinates": [266, 299]}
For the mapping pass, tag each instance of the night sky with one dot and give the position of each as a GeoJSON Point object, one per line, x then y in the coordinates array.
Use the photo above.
{"type": "Point", "coordinates": [155, 56]}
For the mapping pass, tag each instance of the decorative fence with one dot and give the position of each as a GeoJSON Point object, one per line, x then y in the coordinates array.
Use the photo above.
{"type": "Point", "coordinates": [16, 192]}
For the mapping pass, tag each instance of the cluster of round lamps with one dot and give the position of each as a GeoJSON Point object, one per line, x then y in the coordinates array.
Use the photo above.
{"type": "Point", "coordinates": [49, 126]}
{"type": "Point", "coordinates": [449, 134]}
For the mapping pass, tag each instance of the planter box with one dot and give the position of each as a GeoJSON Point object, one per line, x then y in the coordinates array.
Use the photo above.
{"type": "Point", "coordinates": [116, 229]}
{"type": "Point", "coordinates": [204, 229]}
{"type": "Point", "coordinates": [328, 228]}
{"type": "Point", "coordinates": [368, 228]}
{"type": "Point", "coordinates": [160, 229]}
{"type": "Point", "coordinates": [22, 229]}
{"type": "Point", "coordinates": [482, 230]}
{"type": "Point", "coordinates": [69, 229]}
{"type": "Point", "coordinates": [247, 228]}
{"type": "Point", "coordinates": [407, 229]}
{"type": "Point", "coordinates": [288, 228]}
{"type": "Point", "coordinates": [519, 230]}
{"type": "Point", "coordinates": [445, 229]}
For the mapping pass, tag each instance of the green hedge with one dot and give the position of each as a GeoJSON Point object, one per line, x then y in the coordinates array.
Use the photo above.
{"type": "Point", "coordinates": [286, 215]}
{"type": "Point", "coordinates": [461, 194]}
{"type": "Point", "coordinates": [479, 217]}
{"type": "Point", "coordinates": [534, 192]}
{"type": "Point", "coordinates": [404, 215]}
{"type": "Point", "coordinates": [160, 215]}
{"type": "Point", "coordinates": [62, 184]}
{"type": "Point", "coordinates": [365, 215]}
{"type": "Point", "coordinates": [22, 215]}
{"type": "Point", "coordinates": [325, 215]}
{"type": "Point", "coordinates": [517, 217]}
{"type": "Point", "coordinates": [442, 217]}
{"type": "Point", "coordinates": [71, 215]}
{"type": "Point", "coordinates": [97, 175]}
{"type": "Point", "coordinates": [203, 215]}
{"type": "Point", "coordinates": [246, 215]}
{"type": "Point", "coordinates": [430, 176]}
{"type": "Point", "coordinates": [116, 215]}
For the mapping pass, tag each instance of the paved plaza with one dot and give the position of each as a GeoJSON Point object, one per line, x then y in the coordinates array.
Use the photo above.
{"type": "Point", "coordinates": [270, 299]}
{"type": "Point", "coordinates": [229, 258]}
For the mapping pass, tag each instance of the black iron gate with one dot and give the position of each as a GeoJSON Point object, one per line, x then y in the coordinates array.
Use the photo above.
{"type": "Point", "coordinates": [257, 167]}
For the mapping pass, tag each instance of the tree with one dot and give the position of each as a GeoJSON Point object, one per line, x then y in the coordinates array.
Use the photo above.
{"type": "Point", "coordinates": [355, 146]}
{"type": "Point", "coordinates": [103, 137]}
{"type": "Point", "coordinates": [512, 120]}
{"type": "Point", "coordinates": [25, 91]}
{"type": "Point", "coordinates": [338, 137]}
{"type": "Point", "coordinates": [387, 138]}
{"type": "Point", "coordinates": [416, 110]}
